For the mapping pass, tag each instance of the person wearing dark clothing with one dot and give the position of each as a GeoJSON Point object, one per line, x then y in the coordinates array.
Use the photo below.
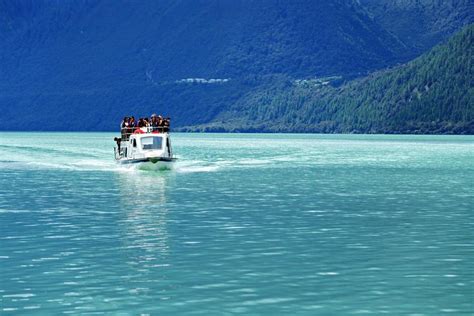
{"type": "Point", "coordinates": [123, 127]}
{"type": "Point", "coordinates": [154, 123]}
{"type": "Point", "coordinates": [124, 122]}
{"type": "Point", "coordinates": [131, 125]}
{"type": "Point", "coordinates": [118, 141]}
{"type": "Point", "coordinates": [166, 124]}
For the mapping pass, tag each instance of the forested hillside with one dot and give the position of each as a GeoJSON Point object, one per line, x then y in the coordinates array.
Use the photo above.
{"type": "Point", "coordinates": [432, 94]}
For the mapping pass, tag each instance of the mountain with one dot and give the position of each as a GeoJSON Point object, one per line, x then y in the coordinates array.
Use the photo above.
{"type": "Point", "coordinates": [83, 65]}
{"type": "Point", "coordinates": [175, 39]}
{"type": "Point", "coordinates": [432, 94]}
{"type": "Point", "coordinates": [421, 24]}
{"type": "Point", "coordinates": [96, 61]}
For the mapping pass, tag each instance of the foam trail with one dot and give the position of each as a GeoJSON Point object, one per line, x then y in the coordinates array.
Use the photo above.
{"type": "Point", "coordinates": [194, 169]}
{"type": "Point", "coordinates": [194, 166]}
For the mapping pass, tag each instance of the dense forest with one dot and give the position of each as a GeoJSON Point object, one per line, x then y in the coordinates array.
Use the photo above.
{"type": "Point", "coordinates": [432, 94]}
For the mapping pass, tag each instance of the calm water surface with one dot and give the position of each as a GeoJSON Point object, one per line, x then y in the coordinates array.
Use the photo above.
{"type": "Point", "coordinates": [244, 224]}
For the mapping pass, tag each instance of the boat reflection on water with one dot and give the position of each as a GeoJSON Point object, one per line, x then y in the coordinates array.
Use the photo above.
{"type": "Point", "coordinates": [144, 227]}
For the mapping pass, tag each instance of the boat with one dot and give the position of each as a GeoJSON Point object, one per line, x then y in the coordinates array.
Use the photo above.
{"type": "Point", "coordinates": [150, 147]}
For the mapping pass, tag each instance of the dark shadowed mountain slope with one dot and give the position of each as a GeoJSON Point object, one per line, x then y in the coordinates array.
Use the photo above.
{"type": "Point", "coordinates": [76, 41]}
{"type": "Point", "coordinates": [421, 24]}
{"type": "Point", "coordinates": [99, 60]}
{"type": "Point", "coordinates": [432, 94]}
{"type": "Point", "coordinates": [82, 65]}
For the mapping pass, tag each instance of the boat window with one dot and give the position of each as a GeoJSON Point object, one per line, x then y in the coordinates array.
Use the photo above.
{"type": "Point", "coordinates": [152, 142]}
{"type": "Point", "coordinates": [134, 143]}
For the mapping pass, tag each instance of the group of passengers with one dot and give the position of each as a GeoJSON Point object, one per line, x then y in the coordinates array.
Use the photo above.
{"type": "Point", "coordinates": [156, 123]}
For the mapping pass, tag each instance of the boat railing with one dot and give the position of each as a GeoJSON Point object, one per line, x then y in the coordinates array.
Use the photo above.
{"type": "Point", "coordinates": [126, 132]}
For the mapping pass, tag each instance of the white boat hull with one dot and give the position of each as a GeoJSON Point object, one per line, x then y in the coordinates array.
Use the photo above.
{"type": "Point", "coordinates": [150, 163]}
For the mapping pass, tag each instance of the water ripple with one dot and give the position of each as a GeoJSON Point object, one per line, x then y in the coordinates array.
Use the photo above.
{"type": "Point", "coordinates": [280, 224]}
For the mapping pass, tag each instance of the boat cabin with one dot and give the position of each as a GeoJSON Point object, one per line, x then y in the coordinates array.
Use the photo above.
{"type": "Point", "coordinates": [144, 145]}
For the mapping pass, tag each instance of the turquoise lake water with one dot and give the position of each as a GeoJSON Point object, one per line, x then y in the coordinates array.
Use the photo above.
{"type": "Point", "coordinates": [244, 224]}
